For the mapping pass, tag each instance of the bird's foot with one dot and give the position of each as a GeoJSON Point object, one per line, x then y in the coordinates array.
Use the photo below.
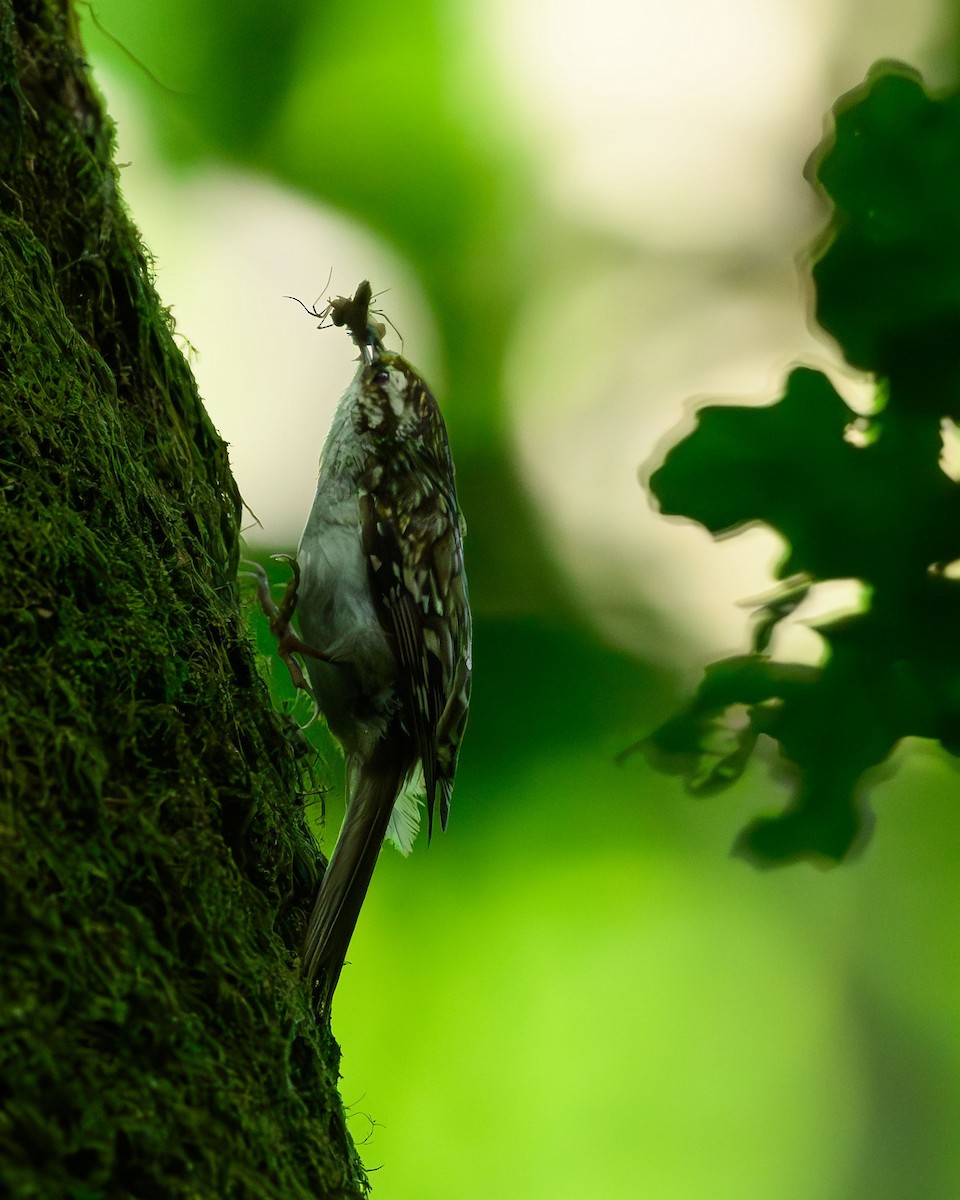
{"type": "Point", "coordinates": [289, 645]}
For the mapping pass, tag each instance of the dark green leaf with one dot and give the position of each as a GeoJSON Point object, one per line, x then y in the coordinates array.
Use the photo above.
{"type": "Point", "coordinates": [877, 507]}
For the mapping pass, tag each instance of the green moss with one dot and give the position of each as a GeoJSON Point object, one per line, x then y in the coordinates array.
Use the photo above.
{"type": "Point", "coordinates": [155, 1039]}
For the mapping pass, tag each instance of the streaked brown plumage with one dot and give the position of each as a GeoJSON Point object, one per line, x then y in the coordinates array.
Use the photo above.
{"type": "Point", "coordinates": [382, 599]}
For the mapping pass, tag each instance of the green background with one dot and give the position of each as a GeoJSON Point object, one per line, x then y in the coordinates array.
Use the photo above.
{"type": "Point", "coordinates": [575, 991]}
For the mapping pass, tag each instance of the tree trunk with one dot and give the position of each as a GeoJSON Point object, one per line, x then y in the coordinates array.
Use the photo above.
{"type": "Point", "coordinates": [155, 1037]}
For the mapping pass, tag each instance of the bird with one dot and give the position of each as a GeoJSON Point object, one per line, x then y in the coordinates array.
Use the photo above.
{"type": "Point", "coordinates": [380, 595]}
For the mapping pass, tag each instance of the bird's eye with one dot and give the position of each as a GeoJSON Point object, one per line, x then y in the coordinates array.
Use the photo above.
{"type": "Point", "coordinates": [381, 377]}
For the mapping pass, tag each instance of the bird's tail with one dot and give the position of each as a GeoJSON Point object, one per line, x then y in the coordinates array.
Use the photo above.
{"type": "Point", "coordinates": [373, 787]}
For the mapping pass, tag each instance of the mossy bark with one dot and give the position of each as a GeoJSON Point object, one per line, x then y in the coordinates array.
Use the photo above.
{"type": "Point", "coordinates": [155, 1039]}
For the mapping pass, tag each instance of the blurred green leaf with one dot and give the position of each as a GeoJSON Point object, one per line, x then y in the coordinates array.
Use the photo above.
{"type": "Point", "coordinates": [875, 506]}
{"type": "Point", "coordinates": [213, 72]}
{"type": "Point", "coordinates": [888, 281]}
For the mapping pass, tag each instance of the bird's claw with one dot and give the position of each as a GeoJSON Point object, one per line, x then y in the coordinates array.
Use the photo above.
{"type": "Point", "coordinates": [279, 616]}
